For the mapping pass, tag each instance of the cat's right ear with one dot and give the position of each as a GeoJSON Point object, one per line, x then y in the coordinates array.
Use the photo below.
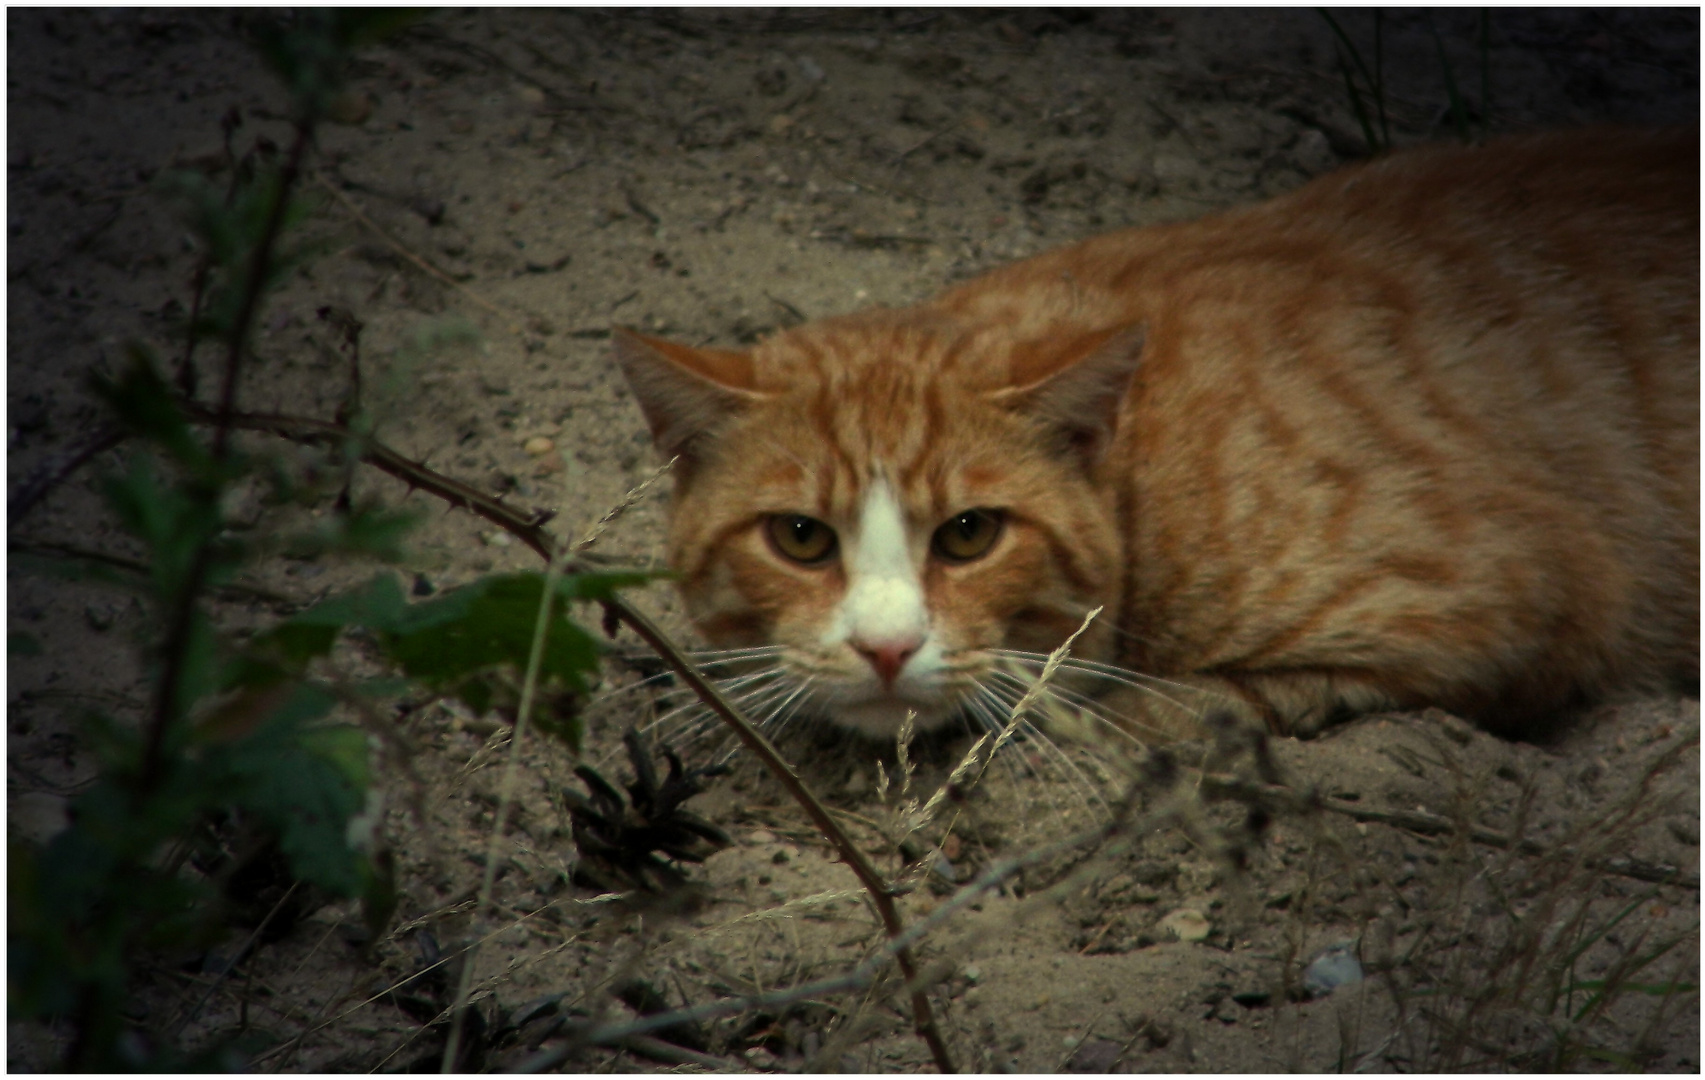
{"type": "Point", "coordinates": [1077, 386]}
{"type": "Point", "coordinates": [685, 393]}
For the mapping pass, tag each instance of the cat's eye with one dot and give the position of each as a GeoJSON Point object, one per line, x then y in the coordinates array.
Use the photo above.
{"type": "Point", "coordinates": [802, 539]}
{"type": "Point", "coordinates": [967, 536]}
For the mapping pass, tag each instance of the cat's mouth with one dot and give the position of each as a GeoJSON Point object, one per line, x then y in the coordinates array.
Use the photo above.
{"type": "Point", "coordinates": [882, 716]}
{"type": "Point", "coordinates": [858, 700]}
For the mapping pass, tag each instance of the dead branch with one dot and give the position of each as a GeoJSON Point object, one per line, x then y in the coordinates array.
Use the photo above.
{"type": "Point", "coordinates": [1419, 821]}
{"type": "Point", "coordinates": [532, 533]}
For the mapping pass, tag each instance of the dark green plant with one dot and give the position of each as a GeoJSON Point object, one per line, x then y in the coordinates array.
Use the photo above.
{"type": "Point", "coordinates": [245, 728]}
{"type": "Point", "coordinates": [1365, 86]}
{"type": "Point", "coordinates": [1374, 81]}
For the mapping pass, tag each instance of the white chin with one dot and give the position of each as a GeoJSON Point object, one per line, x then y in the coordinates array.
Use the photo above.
{"type": "Point", "coordinates": [881, 719]}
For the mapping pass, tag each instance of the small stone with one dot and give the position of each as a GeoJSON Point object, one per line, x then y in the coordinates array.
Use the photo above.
{"type": "Point", "coordinates": [538, 446]}
{"type": "Point", "coordinates": [1313, 152]}
{"type": "Point", "coordinates": [495, 538]}
{"type": "Point", "coordinates": [760, 1058]}
{"type": "Point", "coordinates": [350, 107]}
{"type": "Point", "coordinates": [1092, 1055]}
{"type": "Point", "coordinates": [1186, 924]}
{"type": "Point", "coordinates": [1332, 967]}
{"type": "Point", "coordinates": [39, 816]}
{"type": "Point", "coordinates": [761, 836]}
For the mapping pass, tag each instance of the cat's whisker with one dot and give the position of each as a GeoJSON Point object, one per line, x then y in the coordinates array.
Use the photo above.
{"type": "Point", "coordinates": [1082, 787]}
{"type": "Point", "coordinates": [683, 726]}
{"type": "Point", "coordinates": [708, 657]}
{"type": "Point", "coordinates": [1128, 728]}
{"type": "Point", "coordinates": [1146, 684]}
{"type": "Point", "coordinates": [662, 681]}
{"type": "Point", "coordinates": [791, 705]}
{"type": "Point", "coordinates": [777, 714]}
{"type": "Point", "coordinates": [1113, 722]}
{"type": "Point", "coordinates": [734, 688]}
{"type": "Point", "coordinates": [1109, 671]}
{"type": "Point", "coordinates": [756, 704]}
{"type": "Point", "coordinates": [1081, 708]}
{"type": "Point", "coordinates": [984, 717]}
{"type": "Point", "coordinates": [672, 698]}
{"type": "Point", "coordinates": [996, 714]}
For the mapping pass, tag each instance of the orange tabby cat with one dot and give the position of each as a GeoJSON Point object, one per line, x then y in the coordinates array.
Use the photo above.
{"type": "Point", "coordinates": [1424, 432]}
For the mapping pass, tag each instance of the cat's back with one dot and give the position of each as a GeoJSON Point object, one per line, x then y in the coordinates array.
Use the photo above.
{"type": "Point", "coordinates": [1608, 205]}
{"type": "Point", "coordinates": [1435, 416]}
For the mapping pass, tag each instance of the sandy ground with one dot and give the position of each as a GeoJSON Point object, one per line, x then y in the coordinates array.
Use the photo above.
{"type": "Point", "coordinates": [535, 177]}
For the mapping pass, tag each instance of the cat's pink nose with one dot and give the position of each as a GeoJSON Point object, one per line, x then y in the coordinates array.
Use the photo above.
{"type": "Point", "coordinates": [887, 657]}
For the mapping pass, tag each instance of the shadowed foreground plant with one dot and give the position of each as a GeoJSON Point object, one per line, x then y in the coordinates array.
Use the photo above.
{"type": "Point", "coordinates": [241, 729]}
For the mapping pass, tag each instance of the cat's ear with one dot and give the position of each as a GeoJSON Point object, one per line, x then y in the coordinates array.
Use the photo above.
{"type": "Point", "coordinates": [1076, 386]}
{"type": "Point", "coordinates": [684, 392]}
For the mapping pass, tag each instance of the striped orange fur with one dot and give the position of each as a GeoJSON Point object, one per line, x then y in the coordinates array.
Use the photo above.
{"type": "Point", "coordinates": [1424, 432]}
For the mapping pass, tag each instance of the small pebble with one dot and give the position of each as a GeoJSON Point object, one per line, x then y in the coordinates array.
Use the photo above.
{"type": "Point", "coordinates": [538, 446]}
{"type": "Point", "coordinates": [1186, 924]}
{"type": "Point", "coordinates": [1332, 967]}
{"type": "Point", "coordinates": [350, 107]}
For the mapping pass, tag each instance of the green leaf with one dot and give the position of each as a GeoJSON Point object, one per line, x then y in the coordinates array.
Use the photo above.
{"type": "Point", "coordinates": [76, 903]}
{"type": "Point", "coordinates": [378, 605]}
{"type": "Point", "coordinates": [477, 693]}
{"type": "Point", "coordinates": [285, 650]}
{"type": "Point", "coordinates": [486, 624]}
{"type": "Point", "coordinates": [178, 524]}
{"type": "Point", "coordinates": [1653, 989]}
{"type": "Point", "coordinates": [310, 49]}
{"type": "Point", "coordinates": [383, 687]}
{"type": "Point", "coordinates": [199, 672]}
{"type": "Point", "coordinates": [344, 746]}
{"type": "Point", "coordinates": [307, 783]}
{"type": "Point", "coordinates": [601, 586]}
{"type": "Point", "coordinates": [145, 404]}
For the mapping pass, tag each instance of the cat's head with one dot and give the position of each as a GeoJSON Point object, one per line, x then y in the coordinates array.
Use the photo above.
{"type": "Point", "coordinates": [887, 498]}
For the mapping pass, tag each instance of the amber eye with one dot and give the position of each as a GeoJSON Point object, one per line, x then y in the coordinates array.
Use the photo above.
{"type": "Point", "coordinates": [802, 539]}
{"type": "Point", "coordinates": [968, 536]}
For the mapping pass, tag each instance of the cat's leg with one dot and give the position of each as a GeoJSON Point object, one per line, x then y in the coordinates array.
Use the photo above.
{"type": "Point", "coordinates": [1283, 703]}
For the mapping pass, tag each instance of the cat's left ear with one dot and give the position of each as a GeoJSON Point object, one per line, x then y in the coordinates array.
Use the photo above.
{"type": "Point", "coordinates": [685, 393]}
{"type": "Point", "coordinates": [1076, 386]}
